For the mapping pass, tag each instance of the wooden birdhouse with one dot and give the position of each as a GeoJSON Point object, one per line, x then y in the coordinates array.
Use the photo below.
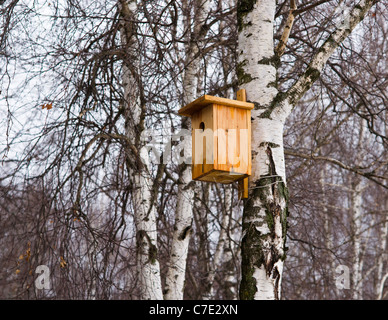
{"type": "Point", "coordinates": [221, 138]}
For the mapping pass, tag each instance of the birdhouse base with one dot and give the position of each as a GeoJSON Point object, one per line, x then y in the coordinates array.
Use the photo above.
{"type": "Point", "coordinates": [220, 176]}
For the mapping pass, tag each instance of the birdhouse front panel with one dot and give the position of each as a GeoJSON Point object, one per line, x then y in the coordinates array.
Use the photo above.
{"type": "Point", "coordinates": [221, 139]}
{"type": "Point", "coordinates": [233, 139]}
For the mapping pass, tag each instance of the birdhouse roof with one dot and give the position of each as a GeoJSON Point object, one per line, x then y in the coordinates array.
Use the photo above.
{"type": "Point", "coordinates": [205, 100]}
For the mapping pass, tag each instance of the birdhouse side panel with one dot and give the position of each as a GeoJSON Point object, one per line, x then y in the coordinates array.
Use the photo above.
{"type": "Point", "coordinates": [244, 129]}
{"type": "Point", "coordinates": [203, 141]}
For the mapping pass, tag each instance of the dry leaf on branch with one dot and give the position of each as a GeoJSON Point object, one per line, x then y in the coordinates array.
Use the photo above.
{"type": "Point", "coordinates": [47, 106]}
{"type": "Point", "coordinates": [62, 263]}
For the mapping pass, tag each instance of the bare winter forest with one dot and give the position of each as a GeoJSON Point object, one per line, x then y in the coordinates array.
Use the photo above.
{"type": "Point", "coordinates": [95, 199]}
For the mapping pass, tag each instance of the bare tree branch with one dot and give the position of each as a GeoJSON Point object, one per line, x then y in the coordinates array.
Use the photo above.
{"type": "Point", "coordinates": [318, 61]}
{"type": "Point", "coordinates": [281, 47]}
{"type": "Point", "coordinates": [370, 175]}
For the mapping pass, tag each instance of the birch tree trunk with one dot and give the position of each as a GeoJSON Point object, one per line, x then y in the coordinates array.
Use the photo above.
{"type": "Point", "coordinates": [221, 245]}
{"type": "Point", "coordinates": [383, 237]}
{"type": "Point", "coordinates": [265, 211]}
{"type": "Point", "coordinates": [355, 206]}
{"type": "Point", "coordinates": [381, 261]}
{"type": "Point", "coordinates": [358, 187]}
{"type": "Point", "coordinates": [327, 227]}
{"type": "Point", "coordinates": [175, 279]}
{"type": "Point", "coordinates": [138, 162]}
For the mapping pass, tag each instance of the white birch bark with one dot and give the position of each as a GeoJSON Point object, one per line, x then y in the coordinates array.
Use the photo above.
{"type": "Point", "coordinates": [265, 212]}
{"type": "Point", "coordinates": [356, 216]}
{"type": "Point", "coordinates": [382, 258]}
{"type": "Point", "coordinates": [175, 279]}
{"type": "Point", "coordinates": [383, 237]}
{"type": "Point", "coordinates": [92, 253]}
{"type": "Point", "coordinates": [144, 211]}
{"type": "Point", "coordinates": [230, 280]}
{"type": "Point", "coordinates": [381, 287]}
{"type": "Point", "coordinates": [146, 237]}
{"type": "Point", "coordinates": [222, 242]}
{"type": "Point", "coordinates": [356, 202]}
{"type": "Point", "coordinates": [230, 252]}
{"type": "Point", "coordinates": [327, 225]}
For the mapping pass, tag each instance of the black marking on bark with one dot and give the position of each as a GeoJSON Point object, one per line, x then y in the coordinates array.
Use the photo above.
{"type": "Point", "coordinates": [272, 61]}
{"type": "Point", "coordinates": [269, 144]}
{"type": "Point", "coordinates": [184, 233]}
{"type": "Point", "coordinates": [244, 7]}
{"type": "Point", "coordinates": [258, 106]}
{"type": "Point", "coordinates": [276, 277]}
{"type": "Point", "coordinates": [252, 256]}
{"type": "Point", "coordinates": [310, 76]}
{"type": "Point", "coordinates": [255, 252]}
{"type": "Point", "coordinates": [272, 170]}
{"type": "Point", "coordinates": [152, 250]}
{"type": "Point", "coordinates": [279, 98]}
{"type": "Point", "coordinates": [242, 76]}
{"type": "Point", "coordinates": [190, 185]}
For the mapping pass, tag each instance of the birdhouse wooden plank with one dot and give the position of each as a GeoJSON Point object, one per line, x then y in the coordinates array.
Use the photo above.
{"type": "Point", "coordinates": [221, 138]}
